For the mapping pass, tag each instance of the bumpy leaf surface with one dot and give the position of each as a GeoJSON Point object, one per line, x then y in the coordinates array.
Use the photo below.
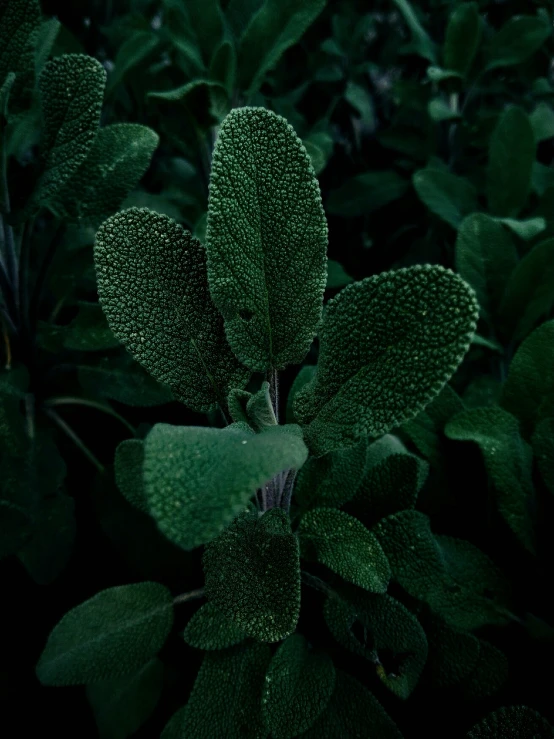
{"type": "Point", "coordinates": [209, 629]}
{"type": "Point", "coordinates": [388, 345]}
{"type": "Point", "coordinates": [71, 88]}
{"type": "Point", "coordinates": [514, 722]}
{"type": "Point", "coordinates": [116, 162]}
{"type": "Point", "coordinates": [153, 288]}
{"type": "Point", "coordinates": [342, 543]}
{"type": "Point", "coordinates": [19, 23]}
{"type": "Point", "coordinates": [353, 712]}
{"type": "Point", "coordinates": [128, 463]}
{"type": "Point", "coordinates": [111, 635]}
{"type": "Point", "coordinates": [266, 239]}
{"type": "Point", "coordinates": [253, 574]}
{"type": "Point", "coordinates": [508, 461]}
{"type": "Point", "coordinates": [298, 686]}
{"type": "Point", "coordinates": [198, 479]}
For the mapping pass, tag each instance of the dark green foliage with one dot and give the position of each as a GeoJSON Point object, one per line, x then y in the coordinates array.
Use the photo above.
{"type": "Point", "coordinates": [543, 449]}
{"type": "Point", "coordinates": [463, 35]}
{"type": "Point", "coordinates": [253, 575]}
{"type": "Point", "coordinates": [128, 464]}
{"type": "Point", "coordinates": [209, 629]}
{"type": "Point", "coordinates": [19, 25]}
{"type": "Point", "coordinates": [515, 722]}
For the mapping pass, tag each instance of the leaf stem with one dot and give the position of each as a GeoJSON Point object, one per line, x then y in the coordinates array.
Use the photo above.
{"type": "Point", "coordinates": [6, 337]}
{"type": "Point", "coordinates": [74, 438]}
{"type": "Point", "coordinates": [288, 487]}
{"type": "Point", "coordinates": [192, 595]}
{"type": "Point", "coordinates": [272, 376]}
{"type": "Point", "coordinates": [108, 410]}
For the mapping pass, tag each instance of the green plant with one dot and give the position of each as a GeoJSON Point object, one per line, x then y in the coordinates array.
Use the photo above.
{"type": "Point", "coordinates": [265, 499]}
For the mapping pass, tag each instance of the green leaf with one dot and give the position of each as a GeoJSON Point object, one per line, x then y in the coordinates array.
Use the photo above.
{"type": "Point", "coordinates": [239, 13]}
{"type": "Point", "coordinates": [47, 36]}
{"type": "Point", "coordinates": [515, 722]}
{"type": "Point", "coordinates": [518, 39]}
{"type": "Point", "coordinates": [122, 705]}
{"type": "Point", "coordinates": [226, 697]}
{"type": "Point", "coordinates": [137, 48]}
{"type": "Point", "coordinates": [19, 25]}
{"type": "Point", "coordinates": [223, 66]}
{"type": "Point", "coordinates": [265, 199]}
{"type": "Point", "coordinates": [529, 293]}
{"type": "Point", "coordinates": [71, 89]}
{"type": "Point", "coordinates": [529, 389]}
{"type": "Point", "coordinates": [89, 330]}
{"type": "Point", "coordinates": [305, 374]}
{"type": "Point", "coordinates": [383, 631]}
{"type": "Point", "coordinates": [448, 196]}
{"type": "Point", "coordinates": [259, 409]}
{"type": "Point", "coordinates": [117, 161]}
{"type": "Point", "coordinates": [230, 465]}
{"type": "Point", "coordinates": [512, 152]}
{"type": "Point", "coordinates": [209, 629]}
{"type": "Point", "coordinates": [421, 44]}
{"type": "Point", "coordinates": [352, 712]}
{"type": "Point", "coordinates": [188, 95]}
{"type": "Point", "coordinates": [543, 449]}
{"type": "Point", "coordinates": [457, 580]}
{"type": "Point", "coordinates": [319, 146]}
{"type": "Point", "coordinates": [253, 574]}
{"type": "Point", "coordinates": [203, 20]}
{"type": "Point", "coordinates": [153, 288]}
{"type": "Point", "coordinates": [128, 464]}
{"type": "Point", "coordinates": [113, 634]}
{"type": "Point", "coordinates": [298, 686]}
{"type": "Point", "coordinates": [526, 229]}
{"type": "Point", "coordinates": [440, 110]}
{"type": "Point", "coordinates": [275, 26]}
{"type": "Point", "coordinates": [360, 99]}
{"type": "Point", "coordinates": [542, 179]}
{"type": "Point", "coordinates": [345, 546]}
{"type": "Point", "coordinates": [542, 122]}
{"type": "Point", "coordinates": [463, 36]}
{"type": "Point", "coordinates": [366, 193]}
{"type": "Point", "coordinates": [422, 321]}
{"type": "Point", "coordinates": [336, 275]}
{"type": "Point", "coordinates": [121, 378]}
{"type": "Point", "coordinates": [485, 258]}
{"type": "Point", "coordinates": [437, 74]}
{"type": "Point", "coordinates": [333, 479]}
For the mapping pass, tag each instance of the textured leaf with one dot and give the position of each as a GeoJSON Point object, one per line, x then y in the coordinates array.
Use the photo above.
{"type": "Point", "coordinates": [122, 379]}
{"type": "Point", "coordinates": [229, 465]}
{"type": "Point", "coordinates": [375, 374]}
{"type": "Point", "coordinates": [19, 24]}
{"type": "Point", "coordinates": [529, 389]}
{"type": "Point", "coordinates": [511, 156]}
{"type": "Point", "coordinates": [298, 686]}
{"type": "Point", "coordinates": [111, 635]}
{"type": "Point", "coordinates": [253, 574]}
{"type": "Point", "coordinates": [448, 196]}
{"type": "Point", "coordinates": [333, 479]}
{"type": "Point", "coordinates": [89, 330]}
{"type": "Point", "coordinates": [274, 27]}
{"type": "Point", "coordinates": [305, 374]}
{"type": "Point", "coordinates": [383, 631]}
{"type": "Point", "coordinates": [485, 258]}
{"type": "Point", "coordinates": [122, 705]}
{"type": "Point", "coordinates": [226, 697]}
{"type": "Point", "coordinates": [529, 294]}
{"type": "Point", "coordinates": [457, 580]}
{"type": "Point", "coordinates": [507, 460]}
{"type": "Point", "coordinates": [265, 201]}
{"type": "Point", "coordinates": [128, 463]}
{"type": "Point", "coordinates": [209, 629]}
{"type": "Point", "coordinates": [116, 162]}
{"type": "Point", "coordinates": [161, 307]}
{"type": "Point", "coordinates": [345, 546]}
{"type": "Point", "coordinates": [366, 193]}
{"type": "Point", "coordinates": [543, 449]}
{"type": "Point", "coordinates": [259, 409]}
{"type": "Point", "coordinates": [71, 88]}
{"type": "Point", "coordinates": [516, 41]}
{"type": "Point", "coordinates": [352, 712]}
{"type": "Point", "coordinates": [515, 722]}
{"type": "Point", "coordinates": [463, 35]}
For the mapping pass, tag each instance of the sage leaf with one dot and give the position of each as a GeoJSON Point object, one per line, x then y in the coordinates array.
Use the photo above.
{"type": "Point", "coordinates": [128, 464]}
{"type": "Point", "coordinates": [209, 629]}
{"type": "Point", "coordinates": [448, 196]}
{"type": "Point", "coordinates": [514, 722]}
{"type": "Point", "coordinates": [463, 36]}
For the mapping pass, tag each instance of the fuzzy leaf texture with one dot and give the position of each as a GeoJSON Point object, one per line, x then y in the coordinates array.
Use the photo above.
{"type": "Point", "coordinates": [113, 634]}
{"type": "Point", "coordinates": [298, 686]}
{"type": "Point", "coordinates": [508, 461]}
{"type": "Point", "coordinates": [153, 288]}
{"type": "Point", "coordinates": [514, 722]}
{"type": "Point", "coordinates": [266, 239]}
{"type": "Point", "coordinates": [117, 161]}
{"type": "Point", "coordinates": [19, 24]}
{"type": "Point", "coordinates": [388, 345]}
{"type": "Point", "coordinates": [197, 479]}
{"type": "Point", "coordinates": [345, 546]}
{"type": "Point", "coordinates": [252, 574]}
{"type": "Point", "coordinates": [209, 629]}
{"type": "Point", "coordinates": [71, 89]}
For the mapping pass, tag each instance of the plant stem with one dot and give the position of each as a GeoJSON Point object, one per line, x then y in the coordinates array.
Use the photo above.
{"type": "Point", "coordinates": [287, 490]}
{"type": "Point", "coordinates": [108, 410]}
{"type": "Point", "coordinates": [30, 414]}
{"type": "Point", "coordinates": [6, 337]}
{"type": "Point", "coordinates": [272, 377]}
{"type": "Point", "coordinates": [74, 438]}
{"type": "Point", "coordinates": [184, 597]}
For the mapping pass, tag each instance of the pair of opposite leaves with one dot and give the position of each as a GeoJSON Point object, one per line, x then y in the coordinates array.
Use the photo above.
{"type": "Point", "coordinates": [201, 320]}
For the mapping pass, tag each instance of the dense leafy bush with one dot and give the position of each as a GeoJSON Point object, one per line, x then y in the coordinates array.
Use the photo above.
{"type": "Point", "coordinates": [322, 240]}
